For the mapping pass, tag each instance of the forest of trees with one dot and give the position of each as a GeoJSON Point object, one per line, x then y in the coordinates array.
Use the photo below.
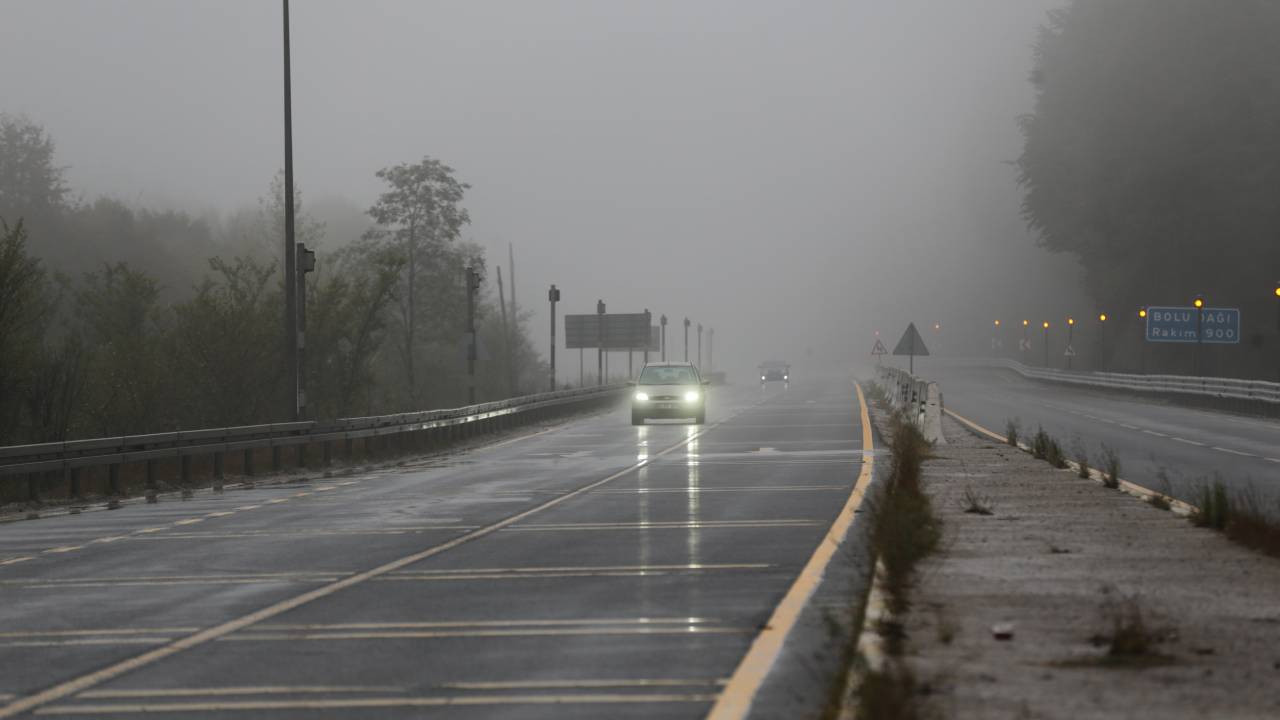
{"type": "Point", "coordinates": [1153, 156]}
{"type": "Point", "coordinates": [118, 320]}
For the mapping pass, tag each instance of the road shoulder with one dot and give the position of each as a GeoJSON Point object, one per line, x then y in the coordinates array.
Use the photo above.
{"type": "Point", "coordinates": [1058, 563]}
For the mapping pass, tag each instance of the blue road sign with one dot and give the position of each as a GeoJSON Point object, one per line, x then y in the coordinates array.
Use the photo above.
{"type": "Point", "coordinates": [1178, 325]}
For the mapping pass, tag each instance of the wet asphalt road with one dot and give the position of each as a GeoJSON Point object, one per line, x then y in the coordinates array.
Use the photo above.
{"type": "Point", "coordinates": [634, 593]}
{"type": "Point", "coordinates": [1161, 445]}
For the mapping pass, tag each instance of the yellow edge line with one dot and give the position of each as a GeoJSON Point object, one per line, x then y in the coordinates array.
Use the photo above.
{"type": "Point", "coordinates": [84, 682]}
{"type": "Point", "coordinates": [749, 676]}
{"type": "Point", "coordinates": [1138, 491]}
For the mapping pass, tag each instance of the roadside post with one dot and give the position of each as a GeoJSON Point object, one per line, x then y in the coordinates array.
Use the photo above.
{"type": "Point", "coordinates": [648, 320]}
{"type": "Point", "coordinates": [600, 342]}
{"type": "Point", "coordinates": [1277, 293]}
{"type": "Point", "coordinates": [711, 336]}
{"type": "Point", "coordinates": [1046, 343]}
{"type": "Point", "coordinates": [553, 295]}
{"type": "Point", "coordinates": [699, 345]}
{"type": "Point", "coordinates": [686, 339]}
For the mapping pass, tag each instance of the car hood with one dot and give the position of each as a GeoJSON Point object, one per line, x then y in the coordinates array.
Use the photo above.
{"type": "Point", "coordinates": [677, 390]}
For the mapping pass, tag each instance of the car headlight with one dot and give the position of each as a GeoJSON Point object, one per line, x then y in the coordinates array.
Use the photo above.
{"type": "Point", "coordinates": [691, 396]}
{"type": "Point", "coordinates": [762, 377]}
{"type": "Point", "coordinates": [786, 377]}
{"type": "Point", "coordinates": [642, 397]}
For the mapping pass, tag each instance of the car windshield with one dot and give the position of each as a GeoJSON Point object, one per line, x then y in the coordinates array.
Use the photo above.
{"type": "Point", "coordinates": [662, 375]}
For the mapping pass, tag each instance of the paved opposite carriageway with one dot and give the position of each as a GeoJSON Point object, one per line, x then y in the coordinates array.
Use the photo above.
{"type": "Point", "coordinates": [591, 569]}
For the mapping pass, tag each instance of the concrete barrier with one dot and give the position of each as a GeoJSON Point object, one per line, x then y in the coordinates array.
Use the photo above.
{"type": "Point", "coordinates": [920, 400]}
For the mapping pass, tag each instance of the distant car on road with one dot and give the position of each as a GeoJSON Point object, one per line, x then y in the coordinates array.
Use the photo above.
{"type": "Point", "coordinates": [775, 371]}
{"type": "Point", "coordinates": [669, 390]}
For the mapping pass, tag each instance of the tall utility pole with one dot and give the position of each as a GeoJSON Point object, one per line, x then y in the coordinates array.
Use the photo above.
{"type": "Point", "coordinates": [506, 333]}
{"type": "Point", "coordinates": [663, 339]}
{"type": "Point", "coordinates": [290, 267]}
{"type": "Point", "coordinates": [512, 378]}
{"type": "Point", "coordinates": [1071, 326]}
{"type": "Point", "coordinates": [699, 345]}
{"type": "Point", "coordinates": [1199, 305]}
{"type": "Point", "coordinates": [1277, 293]}
{"type": "Point", "coordinates": [600, 342]}
{"type": "Point", "coordinates": [711, 336]}
{"type": "Point", "coordinates": [554, 296]}
{"type": "Point", "coordinates": [473, 287]}
{"type": "Point", "coordinates": [686, 339]}
{"type": "Point", "coordinates": [648, 322]}
{"type": "Point", "coordinates": [1046, 343]}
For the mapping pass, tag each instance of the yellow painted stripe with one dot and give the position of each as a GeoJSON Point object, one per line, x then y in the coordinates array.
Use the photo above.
{"type": "Point", "coordinates": [747, 679]}
{"type": "Point", "coordinates": [245, 690]}
{"type": "Point", "coordinates": [260, 706]}
{"type": "Point", "coordinates": [585, 568]}
{"type": "Point", "coordinates": [976, 427]}
{"type": "Point", "coordinates": [85, 682]}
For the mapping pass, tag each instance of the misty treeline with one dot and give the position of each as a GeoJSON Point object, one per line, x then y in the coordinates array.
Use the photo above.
{"type": "Point", "coordinates": [117, 320]}
{"type": "Point", "coordinates": [1153, 155]}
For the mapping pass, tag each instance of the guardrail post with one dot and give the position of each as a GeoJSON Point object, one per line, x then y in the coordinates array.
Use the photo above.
{"type": "Point", "coordinates": [113, 481]}
{"type": "Point", "coordinates": [217, 472]}
{"type": "Point", "coordinates": [186, 477]}
{"type": "Point", "coordinates": [152, 494]}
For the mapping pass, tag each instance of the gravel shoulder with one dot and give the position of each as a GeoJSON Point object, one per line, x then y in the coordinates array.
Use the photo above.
{"type": "Point", "coordinates": [1053, 560]}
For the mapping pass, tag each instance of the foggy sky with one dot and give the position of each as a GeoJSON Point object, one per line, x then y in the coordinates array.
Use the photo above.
{"type": "Point", "coordinates": [793, 174]}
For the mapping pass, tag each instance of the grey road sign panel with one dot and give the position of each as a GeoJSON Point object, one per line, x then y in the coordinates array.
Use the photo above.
{"type": "Point", "coordinates": [619, 331]}
{"type": "Point", "coordinates": [1179, 325]}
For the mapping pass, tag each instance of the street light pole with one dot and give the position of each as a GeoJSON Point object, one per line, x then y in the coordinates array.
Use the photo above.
{"type": "Point", "coordinates": [663, 322]}
{"type": "Point", "coordinates": [648, 323]}
{"type": "Point", "coordinates": [1277, 292]}
{"type": "Point", "coordinates": [290, 257]}
{"type": "Point", "coordinates": [711, 361]}
{"type": "Point", "coordinates": [686, 339]}
{"type": "Point", "coordinates": [1071, 326]}
{"type": "Point", "coordinates": [1142, 349]}
{"type": "Point", "coordinates": [554, 296]}
{"type": "Point", "coordinates": [1199, 305]}
{"type": "Point", "coordinates": [699, 345]}
{"type": "Point", "coordinates": [1026, 343]}
{"type": "Point", "coordinates": [1102, 339]}
{"type": "Point", "coordinates": [473, 287]}
{"type": "Point", "coordinates": [1046, 343]}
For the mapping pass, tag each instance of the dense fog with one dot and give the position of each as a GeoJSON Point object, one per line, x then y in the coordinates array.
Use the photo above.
{"type": "Point", "coordinates": [795, 176]}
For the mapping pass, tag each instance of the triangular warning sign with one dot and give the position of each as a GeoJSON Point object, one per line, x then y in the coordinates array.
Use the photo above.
{"type": "Point", "coordinates": [911, 343]}
{"type": "Point", "coordinates": [1071, 352]}
{"type": "Point", "coordinates": [879, 348]}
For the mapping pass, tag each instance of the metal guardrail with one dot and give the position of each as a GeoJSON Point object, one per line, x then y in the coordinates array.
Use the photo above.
{"type": "Point", "coordinates": [920, 399]}
{"type": "Point", "coordinates": [1223, 388]}
{"type": "Point", "coordinates": [72, 456]}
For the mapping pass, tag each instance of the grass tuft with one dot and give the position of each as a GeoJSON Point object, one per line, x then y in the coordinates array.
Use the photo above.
{"type": "Point", "coordinates": [889, 693]}
{"type": "Point", "coordinates": [1243, 517]}
{"type": "Point", "coordinates": [1011, 431]}
{"type": "Point", "coordinates": [976, 504]}
{"type": "Point", "coordinates": [1110, 468]}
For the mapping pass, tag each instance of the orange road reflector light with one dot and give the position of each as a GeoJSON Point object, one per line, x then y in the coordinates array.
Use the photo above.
{"type": "Point", "coordinates": [1198, 302]}
{"type": "Point", "coordinates": [1026, 323]}
{"type": "Point", "coordinates": [1071, 321]}
{"type": "Point", "coordinates": [1102, 317]}
{"type": "Point", "coordinates": [1046, 324]}
{"type": "Point", "coordinates": [1142, 312]}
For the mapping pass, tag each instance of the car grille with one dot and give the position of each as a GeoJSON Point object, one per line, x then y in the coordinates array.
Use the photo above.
{"type": "Point", "coordinates": [665, 397]}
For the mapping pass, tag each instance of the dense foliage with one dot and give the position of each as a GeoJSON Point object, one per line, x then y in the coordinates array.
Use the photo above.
{"type": "Point", "coordinates": [1153, 156]}
{"type": "Point", "coordinates": [118, 320]}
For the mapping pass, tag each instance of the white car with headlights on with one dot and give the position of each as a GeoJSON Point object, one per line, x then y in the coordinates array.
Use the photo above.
{"type": "Point", "coordinates": [669, 390]}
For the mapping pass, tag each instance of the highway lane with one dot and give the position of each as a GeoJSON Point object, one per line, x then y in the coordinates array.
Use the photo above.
{"type": "Point", "coordinates": [593, 569]}
{"type": "Point", "coordinates": [1160, 445]}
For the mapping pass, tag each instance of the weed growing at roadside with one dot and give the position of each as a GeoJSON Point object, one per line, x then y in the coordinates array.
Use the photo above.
{"type": "Point", "coordinates": [889, 693]}
{"type": "Point", "coordinates": [1160, 498]}
{"type": "Point", "coordinates": [1044, 447]}
{"type": "Point", "coordinates": [1128, 633]}
{"type": "Point", "coordinates": [877, 395]}
{"type": "Point", "coordinates": [975, 504]}
{"type": "Point", "coordinates": [1011, 431]}
{"type": "Point", "coordinates": [1243, 516]}
{"type": "Point", "coordinates": [905, 528]}
{"type": "Point", "coordinates": [1110, 468]}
